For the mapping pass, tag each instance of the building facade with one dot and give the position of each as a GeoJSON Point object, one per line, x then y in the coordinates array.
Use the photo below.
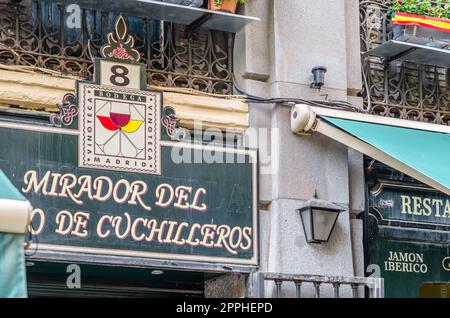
{"type": "Point", "coordinates": [245, 79]}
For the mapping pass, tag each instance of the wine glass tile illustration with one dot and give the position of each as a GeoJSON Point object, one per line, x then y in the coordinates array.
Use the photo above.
{"type": "Point", "coordinates": [119, 129]}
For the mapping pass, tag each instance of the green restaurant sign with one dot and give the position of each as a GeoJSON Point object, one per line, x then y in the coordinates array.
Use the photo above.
{"type": "Point", "coordinates": [410, 253]}
{"type": "Point", "coordinates": [112, 177]}
{"type": "Point", "coordinates": [410, 204]}
{"type": "Point", "coordinates": [407, 268]}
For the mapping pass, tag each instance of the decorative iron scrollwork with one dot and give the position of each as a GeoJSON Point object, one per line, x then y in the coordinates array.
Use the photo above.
{"type": "Point", "coordinates": [68, 111]}
{"type": "Point", "coordinates": [171, 124]}
{"type": "Point", "coordinates": [399, 89]}
{"type": "Point", "coordinates": [36, 33]}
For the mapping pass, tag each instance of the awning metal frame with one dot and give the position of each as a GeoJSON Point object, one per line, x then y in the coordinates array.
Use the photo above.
{"type": "Point", "coordinates": [14, 216]}
{"type": "Point", "coordinates": [15, 209]}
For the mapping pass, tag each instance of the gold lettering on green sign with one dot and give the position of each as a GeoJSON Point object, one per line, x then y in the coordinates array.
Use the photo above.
{"type": "Point", "coordinates": [405, 262]}
{"type": "Point", "coordinates": [414, 205]}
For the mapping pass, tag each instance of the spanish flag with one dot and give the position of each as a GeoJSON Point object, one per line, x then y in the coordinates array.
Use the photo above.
{"type": "Point", "coordinates": [401, 18]}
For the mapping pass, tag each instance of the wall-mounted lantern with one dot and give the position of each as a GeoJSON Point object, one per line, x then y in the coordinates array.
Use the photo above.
{"type": "Point", "coordinates": [319, 219]}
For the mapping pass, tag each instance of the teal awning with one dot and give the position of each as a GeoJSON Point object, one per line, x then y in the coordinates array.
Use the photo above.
{"type": "Point", "coordinates": [14, 218]}
{"type": "Point", "coordinates": [8, 191]}
{"type": "Point", "coordinates": [421, 154]}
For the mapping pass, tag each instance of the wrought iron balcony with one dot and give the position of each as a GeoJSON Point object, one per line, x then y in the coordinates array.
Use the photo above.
{"type": "Point", "coordinates": [277, 285]}
{"type": "Point", "coordinates": [37, 33]}
{"type": "Point", "coordinates": [407, 87]}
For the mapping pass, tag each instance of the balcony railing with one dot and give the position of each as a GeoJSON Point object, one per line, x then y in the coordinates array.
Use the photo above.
{"type": "Point", "coordinates": [398, 88]}
{"type": "Point", "coordinates": [37, 33]}
{"type": "Point", "coordinates": [276, 285]}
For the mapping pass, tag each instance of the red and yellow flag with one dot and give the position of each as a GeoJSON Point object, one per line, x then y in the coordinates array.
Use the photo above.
{"type": "Point", "coordinates": [401, 18]}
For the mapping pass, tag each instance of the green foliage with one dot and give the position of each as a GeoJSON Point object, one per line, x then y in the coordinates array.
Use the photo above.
{"type": "Point", "coordinates": [436, 8]}
{"type": "Point", "coordinates": [219, 2]}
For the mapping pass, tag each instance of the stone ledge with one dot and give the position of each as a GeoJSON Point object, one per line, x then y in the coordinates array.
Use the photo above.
{"type": "Point", "coordinates": [43, 92]}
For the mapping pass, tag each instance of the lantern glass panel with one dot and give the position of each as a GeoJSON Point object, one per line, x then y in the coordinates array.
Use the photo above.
{"type": "Point", "coordinates": [307, 223]}
{"type": "Point", "coordinates": [323, 223]}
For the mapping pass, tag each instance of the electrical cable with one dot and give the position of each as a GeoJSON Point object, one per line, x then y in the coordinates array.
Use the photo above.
{"type": "Point", "coordinates": [343, 105]}
{"type": "Point", "coordinates": [334, 104]}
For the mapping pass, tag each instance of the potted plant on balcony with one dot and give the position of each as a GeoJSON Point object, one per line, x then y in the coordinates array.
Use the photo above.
{"type": "Point", "coordinates": [419, 18]}
{"type": "Point", "coordinates": [224, 5]}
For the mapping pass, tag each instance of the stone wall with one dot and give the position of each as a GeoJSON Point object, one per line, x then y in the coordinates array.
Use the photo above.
{"type": "Point", "coordinates": [274, 58]}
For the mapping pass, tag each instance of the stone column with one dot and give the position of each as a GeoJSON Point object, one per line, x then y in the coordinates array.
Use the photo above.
{"type": "Point", "coordinates": [274, 58]}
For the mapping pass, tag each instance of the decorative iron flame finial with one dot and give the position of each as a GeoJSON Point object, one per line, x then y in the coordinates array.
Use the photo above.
{"type": "Point", "coordinates": [120, 47]}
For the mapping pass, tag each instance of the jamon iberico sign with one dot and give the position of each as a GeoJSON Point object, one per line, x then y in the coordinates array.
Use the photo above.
{"type": "Point", "coordinates": [110, 176]}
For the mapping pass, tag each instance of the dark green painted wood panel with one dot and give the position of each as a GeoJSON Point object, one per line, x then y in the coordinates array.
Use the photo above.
{"type": "Point", "coordinates": [230, 198]}
{"type": "Point", "coordinates": [406, 266]}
